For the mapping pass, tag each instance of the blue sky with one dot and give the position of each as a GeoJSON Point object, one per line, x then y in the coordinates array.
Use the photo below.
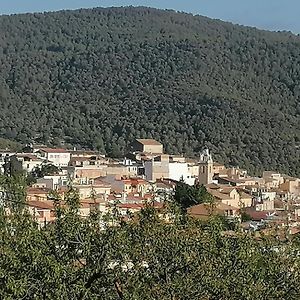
{"type": "Point", "coordinates": [265, 14]}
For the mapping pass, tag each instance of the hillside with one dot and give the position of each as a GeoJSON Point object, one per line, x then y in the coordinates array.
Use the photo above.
{"type": "Point", "coordinates": [98, 78]}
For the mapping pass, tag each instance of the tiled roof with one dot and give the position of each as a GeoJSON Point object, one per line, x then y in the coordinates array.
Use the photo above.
{"type": "Point", "coordinates": [41, 204]}
{"type": "Point", "coordinates": [54, 150]}
{"type": "Point", "coordinates": [37, 191]}
{"type": "Point", "coordinates": [28, 155]}
{"type": "Point", "coordinates": [149, 142]}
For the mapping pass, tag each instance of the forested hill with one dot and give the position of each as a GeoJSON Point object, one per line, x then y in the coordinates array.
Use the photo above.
{"type": "Point", "coordinates": [101, 77]}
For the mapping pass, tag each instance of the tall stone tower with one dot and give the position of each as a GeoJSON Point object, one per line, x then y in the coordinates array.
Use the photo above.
{"type": "Point", "coordinates": [205, 168]}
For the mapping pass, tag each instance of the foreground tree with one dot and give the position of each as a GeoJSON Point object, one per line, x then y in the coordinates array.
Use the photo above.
{"type": "Point", "coordinates": [143, 258]}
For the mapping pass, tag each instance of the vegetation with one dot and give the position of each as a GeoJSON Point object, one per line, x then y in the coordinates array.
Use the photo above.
{"type": "Point", "coordinates": [145, 258]}
{"type": "Point", "coordinates": [99, 78]}
{"type": "Point", "coordinates": [10, 145]}
{"type": "Point", "coordinates": [187, 195]}
{"type": "Point", "coordinates": [45, 170]}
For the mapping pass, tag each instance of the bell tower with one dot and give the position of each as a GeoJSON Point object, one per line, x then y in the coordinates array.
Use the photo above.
{"type": "Point", "coordinates": [205, 168]}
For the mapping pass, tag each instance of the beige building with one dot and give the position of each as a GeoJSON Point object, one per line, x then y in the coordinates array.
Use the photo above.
{"type": "Point", "coordinates": [157, 168]}
{"type": "Point", "coordinates": [204, 210]}
{"type": "Point", "coordinates": [97, 189]}
{"type": "Point", "coordinates": [291, 185]}
{"type": "Point", "coordinates": [230, 195]}
{"type": "Point", "coordinates": [147, 145]}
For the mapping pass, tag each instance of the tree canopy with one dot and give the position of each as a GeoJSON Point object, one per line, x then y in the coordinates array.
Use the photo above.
{"type": "Point", "coordinates": [99, 78]}
{"type": "Point", "coordinates": [103, 257]}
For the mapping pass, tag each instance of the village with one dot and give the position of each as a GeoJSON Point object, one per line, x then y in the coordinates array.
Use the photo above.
{"type": "Point", "coordinates": [148, 175]}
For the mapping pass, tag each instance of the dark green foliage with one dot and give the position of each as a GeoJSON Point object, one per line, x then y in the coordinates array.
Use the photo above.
{"type": "Point", "coordinates": [101, 77]}
{"type": "Point", "coordinates": [12, 167]}
{"type": "Point", "coordinates": [187, 195]}
{"type": "Point", "coordinates": [45, 170]}
{"type": "Point", "coordinates": [8, 144]}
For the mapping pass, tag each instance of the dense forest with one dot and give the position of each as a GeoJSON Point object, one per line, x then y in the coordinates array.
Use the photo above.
{"type": "Point", "coordinates": [98, 78]}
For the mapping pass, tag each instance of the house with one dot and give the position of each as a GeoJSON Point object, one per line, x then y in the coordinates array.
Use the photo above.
{"type": "Point", "coordinates": [272, 179]}
{"type": "Point", "coordinates": [128, 185]}
{"type": "Point", "coordinates": [81, 174]}
{"type": "Point", "coordinates": [29, 161]}
{"type": "Point", "coordinates": [182, 170]}
{"type": "Point", "coordinates": [291, 185]}
{"type": "Point", "coordinates": [52, 182]}
{"type": "Point", "coordinates": [205, 210]}
{"type": "Point", "coordinates": [57, 156]}
{"type": "Point", "coordinates": [86, 153]}
{"type": "Point", "coordinates": [157, 167]}
{"type": "Point", "coordinates": [147, 145]}
{"type": "Point", "coordinates": [132, 208]}
{"type": "Point", "coordinates": [37, 194]}
{"type": "Point", "coordinates": [217, 168]}
{"type": "Point", "coordinates": [96, 188]}
{"type": "Point", "coordinates": [42, 211]}
{"type": "Point", "coordinates": [230, 195]}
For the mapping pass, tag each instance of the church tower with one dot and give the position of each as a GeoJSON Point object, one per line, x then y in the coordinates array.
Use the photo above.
{"type": "Point", "coordinates": [205, 168]}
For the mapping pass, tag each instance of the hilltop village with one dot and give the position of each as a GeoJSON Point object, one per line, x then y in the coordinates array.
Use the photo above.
{"type": "Point", "coordinates": [148, 175]}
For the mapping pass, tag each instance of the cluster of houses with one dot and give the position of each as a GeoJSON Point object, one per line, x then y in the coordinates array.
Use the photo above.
{"type": "Point", "coordinates": [148, 175]}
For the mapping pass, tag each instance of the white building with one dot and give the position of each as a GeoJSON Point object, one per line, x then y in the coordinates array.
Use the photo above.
{"type": "Point", "coordinates": [180, 170]}
{"type": "Point", "coordinates": [160, 167]}
{"type": "Point", "coordinates": [58, 157]}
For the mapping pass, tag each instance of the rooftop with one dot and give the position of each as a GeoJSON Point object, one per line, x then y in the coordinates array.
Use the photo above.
{"type": "Point", "coordinates": [148, 142]}
{"type": "Point", "coordinates": [54, 150]}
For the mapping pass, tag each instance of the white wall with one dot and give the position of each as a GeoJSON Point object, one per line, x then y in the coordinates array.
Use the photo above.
{"type": "Point", "coordinates": [179, 170]}
{"type": "Point", "coordinates": [59, 159]}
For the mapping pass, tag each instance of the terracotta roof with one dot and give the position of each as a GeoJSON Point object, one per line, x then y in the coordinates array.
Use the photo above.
{"type": "Point", "coordinates": [213, 186]}
{"type": "Point", "coordinates": [245, 195]}
{"type": "Point", "coordinates": [148, 142]}
{"type": "Point", "coordinates": [155, 204]}
{"type": "Point", "coordinates": [258, 215]}
{"type": "Point", "coordinates": [37, 191]}
{"type": "Point", "coordinates": [202, 209]}
{"type": "Point", "coordinates": [227, 190]}
{"type": "Point", "coordinates": [222, 206]}
{"type": "Point", "coordinates": [93, 201]}
{"type": "Point", "coordinates": [130, 205]}
{"type": "Point", "coordinates": [219, 195]}
{"type": "Point", "coordinates": [54, 150]}
{"type": "Point", "coordinates": [28, 155]}
{"type": "Point", "coordinates": [41, 204]}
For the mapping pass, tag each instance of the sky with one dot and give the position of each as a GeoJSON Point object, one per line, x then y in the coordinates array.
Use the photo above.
{"type": "Point", "coordinates": [265, 14]}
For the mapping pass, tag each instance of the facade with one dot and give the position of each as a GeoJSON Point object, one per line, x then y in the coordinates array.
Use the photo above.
{"type": "Point", "coordinates": [181, 170]}
{"type": "Point", "coordinates": [52, 182]}
{"type": "Point", "coordinates": [206, 171]}
{"type": "Point", "coordinates": [29, 161]}
{"type": "Point", "coordinates": [58, 157]}
{"type": "Point", "coordinates": [230, 195]}
{"type": "Point", "coordinates": [157, 168]}
{"type": "Point", "coordinates": [204, 210]}
{"type": "Point", "coordinates": [98, 190]}
{"type": "Point", "coordinates": [147, 145]}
